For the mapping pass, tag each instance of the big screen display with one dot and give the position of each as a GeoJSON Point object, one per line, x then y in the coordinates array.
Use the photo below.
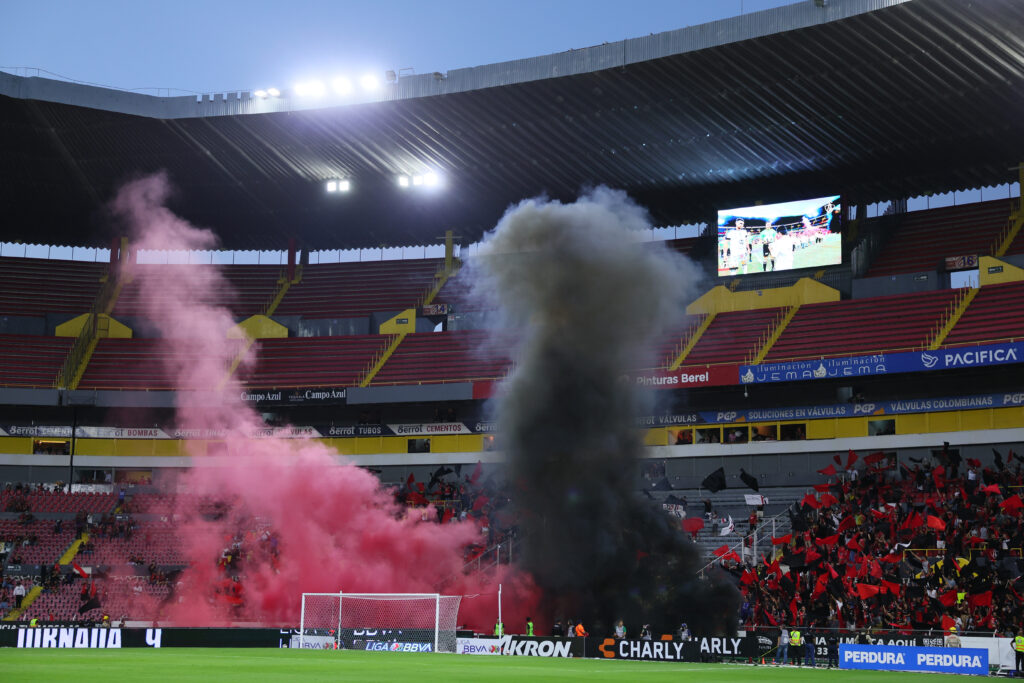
{"type": "Point", "coordinates": [762, 239]}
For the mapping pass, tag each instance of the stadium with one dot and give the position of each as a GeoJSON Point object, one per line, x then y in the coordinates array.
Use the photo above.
{"type": "Point", "coordinates": [698, 353]}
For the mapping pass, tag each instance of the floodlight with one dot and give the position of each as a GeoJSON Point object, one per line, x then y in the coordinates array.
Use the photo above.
{"type": "Point", "coordinates": [369, 82]}
{"type": "Point", "coordinates": [403, 181]}
{"type": "Point", "coordinates": [417, 180]}
{"type": "Point", "coordinates": [260, 93]}
{"type": "Point", "coordinates": [342, 85]}
{"type": "Point", "coordinates": [344, 186]}
{"type": "Point", "coordinates": [273, 92]}
{"type": "Point", "coordinates": [332, 185]}
{"type": "Point", "coordinates": [431, 179]}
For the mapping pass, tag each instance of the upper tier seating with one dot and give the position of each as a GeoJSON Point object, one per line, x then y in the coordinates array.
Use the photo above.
{"type": "Point", "coordinates": [140, 364]}
{"type": "Point", "coordinates": [36, 286]}
{"type": "Point", "coordinates": [883, 323]}
{"type": "Point", "coordinates": [30, 360]}
{"type": "Point", "coordinates": [350, 290]}
{"type": "Point", "coordinates": [997, 312]}
{"type": "Point", "coordinates": [314, 361]}
{"type": "Point", "coordinates": [49, 546]}
{"type": "Point", "coordinates": [446, 356]}
{"type": "Point", "coordinates": [927, 237]}
{"type": "Point", "coordinates": [249, 289]}
{"type": "Point", "coordinates": [732, 337]}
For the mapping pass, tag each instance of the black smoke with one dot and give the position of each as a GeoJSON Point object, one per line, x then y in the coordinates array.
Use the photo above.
{"type": "Point", "coordinates": [587, 297]}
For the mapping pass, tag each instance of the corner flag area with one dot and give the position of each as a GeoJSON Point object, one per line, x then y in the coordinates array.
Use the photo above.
{"type": "Point", "coordinates": [230, 665]}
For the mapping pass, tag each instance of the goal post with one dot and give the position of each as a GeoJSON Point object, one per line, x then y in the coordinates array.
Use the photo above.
{"type": "Point", "coordinates": [407, 622]}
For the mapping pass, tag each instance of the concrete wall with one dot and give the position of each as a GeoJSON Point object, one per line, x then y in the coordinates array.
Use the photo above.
{"type": "Point", "coordinates": [904, 283]}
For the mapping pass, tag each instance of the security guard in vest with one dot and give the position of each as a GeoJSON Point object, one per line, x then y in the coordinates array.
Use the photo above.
{"type": "Point", "coordinates": [796, 647]}
{"type": "Point", "coordinates": [499, 629]}
{"type": "Point", "coordinates": [529, 626]}
{"type": "Point", "coordinates": [33, 622]}
{"type": "Point", "coordinates": [1018, 651]}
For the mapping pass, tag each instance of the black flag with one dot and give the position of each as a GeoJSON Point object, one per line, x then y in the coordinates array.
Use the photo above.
{"type": "Point", "coordinates": [91, 603]}
{"type": "Point", "coordinates": [748, 479]}
{"type": "Point", "coordinates": [715, 481]}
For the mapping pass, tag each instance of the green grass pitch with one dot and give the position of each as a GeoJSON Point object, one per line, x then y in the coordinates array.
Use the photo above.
{"type": "Point", "coordinates": [246, 665]}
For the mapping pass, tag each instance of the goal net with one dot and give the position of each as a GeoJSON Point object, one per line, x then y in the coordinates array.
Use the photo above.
{"type": "Point", "coordinates": [404, 622]}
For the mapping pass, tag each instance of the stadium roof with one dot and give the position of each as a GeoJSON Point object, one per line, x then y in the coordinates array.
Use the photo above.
{"type": "Point", "coordinates": [874, 98]}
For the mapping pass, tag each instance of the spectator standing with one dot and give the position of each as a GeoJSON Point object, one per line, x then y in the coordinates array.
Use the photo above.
{"type": "Point", "coordinates": [620, 630]}
{"type": "Point", "coordinates": [19, 594]}
{"type": "Point", "coordinates": [782, 652]}
{"type": "Point", "coordinates": [529, 626]}
{"type": "Point", "coordinates": [810, 656]}
{"type": "Point", "coordinates": [832, 647]}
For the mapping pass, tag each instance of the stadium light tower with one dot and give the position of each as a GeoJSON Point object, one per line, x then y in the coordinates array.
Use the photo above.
{"type": "Point", "coordinates": [342, 85]}
{"type": "Point", "coordinates": [310, 89]}
{"type": "Point", "coordinates": [403, 181]}
{"type": "Point", "coordinates": [369, 82]}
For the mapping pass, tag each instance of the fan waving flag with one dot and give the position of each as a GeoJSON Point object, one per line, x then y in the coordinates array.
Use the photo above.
{"type": "Point", "coordinates": [782, 540]}
{"type": "Point", "coordinates": [866, 591]}
{"type": "Point", "coordinates": [728, 528]}
{"type": "Point", "coordinates": [827, 540]}
{"type": "Point", "coordinates": [693, 524]}
{"type": "Point", "coordinates": [875, 457]}
{"type": "Point", "coordinates": [991, 488]}
{"type": "Point", "coordinates": [828, 471]}
{"type": "Point", "coordinates": [721, 551]}
{"type": "Point", "coordinates": [810, 501]}
{"type": "Point", "coordinates": [748, 479]}
{"type": "Point", "coordinates": [81, 572]}
{"type": "Point", "coordinates": [936, 523]}
{"type": "Point", "coordinates": [1012, 503]}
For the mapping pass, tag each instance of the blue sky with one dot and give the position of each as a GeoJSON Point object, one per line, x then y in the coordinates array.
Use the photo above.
{"type": "Point", "coordinates": [221, 45]}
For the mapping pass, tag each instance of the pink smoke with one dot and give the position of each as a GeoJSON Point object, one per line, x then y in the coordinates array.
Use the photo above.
{"type": "Point", "coordinates": [335, 527]}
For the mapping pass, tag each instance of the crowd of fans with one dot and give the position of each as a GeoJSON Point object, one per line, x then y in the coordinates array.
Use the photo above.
{"type": "Point", "coordinates": [921, 546]}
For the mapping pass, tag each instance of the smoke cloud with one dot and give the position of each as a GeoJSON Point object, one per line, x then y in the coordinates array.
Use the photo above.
{"type": "Point", "coordinates": [587, 298]}
{"type": "Point", "coordinates": [306, 521]}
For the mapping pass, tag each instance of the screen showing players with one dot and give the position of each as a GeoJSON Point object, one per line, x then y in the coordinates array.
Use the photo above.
{"type": "Point", "coordinates": [763, 239]}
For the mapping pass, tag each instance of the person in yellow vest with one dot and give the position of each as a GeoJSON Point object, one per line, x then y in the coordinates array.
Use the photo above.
{"type": "Point", "coordinates": [796, 646]}
{"type": "Point", "coordinates": [33, 622]}
{"type": "Point", "coordinates": [952, 640]}
{"type": "Point", "coordinates": [529, 626]}
{"type": "Point", "coordinates": [1018, 651]}
{"type": "Point", "coordinates": [499, 629]}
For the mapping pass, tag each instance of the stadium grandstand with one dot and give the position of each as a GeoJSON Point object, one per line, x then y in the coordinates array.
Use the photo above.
{"type": "Point", "coordinates": [836, 415]}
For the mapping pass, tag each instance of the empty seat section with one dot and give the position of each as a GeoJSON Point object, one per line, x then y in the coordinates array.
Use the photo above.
{"type": "Point", "coordinates": [36, 286]}
{"type": "Point", "coordinates": [147, 364]}
{"type": "Point", "coordinates": [732, 337]}
{"type": "Point", "coordinates": [447, 356]}
{"type": "Point", "coordinates": [668, 345]}
{"type": "Point", "coordinates": [351, 290]}
{"type": "Point", "coordinates": [997, 312]}
{"type": "Point", "coordinates": [314, 361]}
{"type": "Point", "coordinates": [925, 238]}
{"type": "Point", "coordinates": [884, 323]}
{"type": "Point", "coordinates": [245, 290]}
{"type": "Point", "coordinates": [30, 360]}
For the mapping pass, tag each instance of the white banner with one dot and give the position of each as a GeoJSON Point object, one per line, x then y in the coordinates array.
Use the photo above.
{"type": "Point", "coordinates": [92, 488]}
{"type": "Point", "coordinates": [478, 646]}
{"type": "Point", "coordinates": [754, 499]}
{"type": "Point", "coordinates": [430, 429]}
{"type": "Point", "coordinates": [122, 433]}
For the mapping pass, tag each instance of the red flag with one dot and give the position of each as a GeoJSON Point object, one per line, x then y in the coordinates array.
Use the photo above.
{"type": "Point", "coordinates": [92, 588]}
{"type": "Point", "coordinates": [827, 540]}
{"type": "Point", "coordinates": [832, 572]}
{"type": "Point", "coordinates": [782, 540]}
{"type": "Point", "coordinates": [973, 462]}
{"type": "Point", "coordinates": [892, 587]}
{"type": "Point", "coordinates": [721, 552]}
{"type": "Point", "coordinates": [947, 623]}
{"type": "Point", "coordinates": [732, 556]}
{"type": "Point", "coordinates": [793, 609]}
{"type": "Point", "coordinates": [421, 487]}
{"type": "Point", "coordinates": [417, 498]}
{"type": "Point", "coordinates": [810, 501]}
{"type": "Point", "coordinates": [980, 599]}
{"type": "Point", "coordinates": [878, 514]}
{"type": "Point", "coordinates": [865, 591]}
{"type": "Point", "coordinates": [477, 471]}
{"type": "Point", "coordinates": [828, 471]}
{"type": "Point", "coordinates": [828, 500]}
{"type": "Point", "coordinates": [748, 577]}
{"type": "Point", "coordinates": [892, 559]}
{"type": "Point", "coordinates": [948, 598]}
{"type": "Point", "coordinates": [822, 488]}
{"type": "Point", "coordinates": [693, 524]}
{"type": "Point", "coordinates": [991, 488]}
{"type": "Point", "coordinates": [411, 480]}
{"type": "Point", "coordinates": [480, 502]}
{"type": "Point", "coordinates": [838, 458]}
{"type": "Point", "coordinates": [875, 457]}
{"type": "Point", "coordinates": [1012, 503]}
{"type": "Point", "coordinates": [846, 523]}
{"type": "Point", "coordinates": [768, 615]}
{"type": "Point", "coordinates": [81, 572]}
{"type": "Point", "coordinates": [913, 521]}
{"type": "Point", "coordinates": [812, 555]}
{"type": "Point", "coordinates": [819, 586]}
{"type": "Point", "coordinates": [936, 523]}
{"type": "Point", "coordinates": [853, 545]}
{"type": "Point", "coordinates": [447, 516]}
{"type": "Point", "coordinates": [850, 459]}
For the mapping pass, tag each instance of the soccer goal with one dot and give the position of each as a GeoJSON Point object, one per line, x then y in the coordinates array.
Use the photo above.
{"type": "Point", "coordinates": [404, 622]}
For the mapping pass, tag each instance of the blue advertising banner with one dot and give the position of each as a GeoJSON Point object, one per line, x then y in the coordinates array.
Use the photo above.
{"type": "Point", "coordinates": [946, 660]}
{"type": "Point", "coordinates": [883, 363]}
{"type": "Point", "coordinates": [877, 409]}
